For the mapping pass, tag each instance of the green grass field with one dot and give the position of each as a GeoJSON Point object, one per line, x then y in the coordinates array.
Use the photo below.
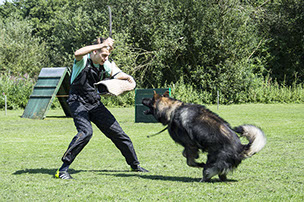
{"type": "Point", "coordinates": [31, 150]}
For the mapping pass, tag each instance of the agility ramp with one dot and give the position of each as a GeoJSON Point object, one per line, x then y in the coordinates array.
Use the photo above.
{"type": "Point", "coordinates": [51, 83]}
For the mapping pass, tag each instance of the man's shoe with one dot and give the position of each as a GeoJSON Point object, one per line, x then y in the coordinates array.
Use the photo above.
{"type": "Point", "coordinates": [63, 175]}
{"type": "Point", "coordinates": [139, 169]}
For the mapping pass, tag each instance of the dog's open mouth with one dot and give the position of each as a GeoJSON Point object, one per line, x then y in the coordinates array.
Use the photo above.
{"type": "Point", "coordinates": [148, 103]}
{"type": "Point", "coordinates": [147, 112]}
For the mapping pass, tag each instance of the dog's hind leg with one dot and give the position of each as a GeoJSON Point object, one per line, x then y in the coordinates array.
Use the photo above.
{"type": "Point", "coordinates": [191, 153]}
{"type": "Point", "coordinates": [223, 177]}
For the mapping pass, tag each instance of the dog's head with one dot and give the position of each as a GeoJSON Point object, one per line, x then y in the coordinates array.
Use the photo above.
{"type": "Point", "coordinates": [161, 106]}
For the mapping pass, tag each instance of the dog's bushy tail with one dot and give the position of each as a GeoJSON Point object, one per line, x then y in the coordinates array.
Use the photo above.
{"type": "Point", "coordinates": [255, 136]}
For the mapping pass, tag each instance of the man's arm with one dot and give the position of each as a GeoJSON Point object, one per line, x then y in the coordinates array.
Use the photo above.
{"type": "Point", "coordinates": [116, 73]}
{"type": "Point", "coordinates": [123, 76]}
{"type": "Point", "coordinates": [87, 49]}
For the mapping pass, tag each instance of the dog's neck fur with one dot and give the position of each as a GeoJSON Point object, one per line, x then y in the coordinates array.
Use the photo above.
{"type": "Point", "coordinates": [165, 119]}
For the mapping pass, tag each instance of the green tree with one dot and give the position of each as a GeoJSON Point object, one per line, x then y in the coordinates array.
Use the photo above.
{"type": "Point", "coordinates": [20, 51]}
{"type": "Point", "coordinates": [282, 24]}
{"type": "Point", "coordinates": [226, 46]}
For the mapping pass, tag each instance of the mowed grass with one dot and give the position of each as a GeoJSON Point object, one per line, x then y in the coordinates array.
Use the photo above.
{"type": "Point", "coordinates": [31, 151]}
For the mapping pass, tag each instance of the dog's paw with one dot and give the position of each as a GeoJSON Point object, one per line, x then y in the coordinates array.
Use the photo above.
{"type": "Point", "coordinates": [223, 177]}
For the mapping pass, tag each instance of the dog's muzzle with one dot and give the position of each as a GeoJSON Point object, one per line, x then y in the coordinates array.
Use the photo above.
{"type": "Point", "coordinates": [148, 103]}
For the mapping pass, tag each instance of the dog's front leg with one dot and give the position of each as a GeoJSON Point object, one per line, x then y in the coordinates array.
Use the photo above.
{"type": "Point", "coordinates": [191, 153]}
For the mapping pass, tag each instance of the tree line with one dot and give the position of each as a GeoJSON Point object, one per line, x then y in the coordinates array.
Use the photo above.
{"type": "Point", "coordinates": [229, 46]}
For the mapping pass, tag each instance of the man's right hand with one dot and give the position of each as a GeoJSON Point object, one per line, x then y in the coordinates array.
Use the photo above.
{"type": "Point", "coordinates": [110, 43]}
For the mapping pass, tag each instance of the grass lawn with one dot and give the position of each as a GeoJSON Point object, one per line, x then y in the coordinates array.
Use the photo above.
{"type": "Point", "coordinates": [31, 150]}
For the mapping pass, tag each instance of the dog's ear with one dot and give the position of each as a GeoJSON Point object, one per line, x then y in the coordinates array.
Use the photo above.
{"type": "Point", "coordinates": [166, 94]}
{"type": "Point", "coordinates": [156, 96]}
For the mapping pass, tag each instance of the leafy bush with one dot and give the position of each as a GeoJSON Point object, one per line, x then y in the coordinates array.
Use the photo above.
{"type": "Point", "coordinates": [268, 91]}
{"type": "Point", "coordinates": [17, 90]}
{"type": "Point", "coordinates": [125, 100]}
{"type": "Point", "coordinates": [259, 90]}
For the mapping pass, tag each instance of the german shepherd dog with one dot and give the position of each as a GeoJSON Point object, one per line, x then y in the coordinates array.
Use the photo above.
{"type": "Point", "coordinates": [198, 129]}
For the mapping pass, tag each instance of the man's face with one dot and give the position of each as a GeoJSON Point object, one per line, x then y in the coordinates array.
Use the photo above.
{"type": "Point", "coordinates": [101, 56]}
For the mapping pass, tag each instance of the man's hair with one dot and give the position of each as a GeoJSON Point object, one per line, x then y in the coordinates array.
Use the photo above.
{"type": "Point", "coordinates": [99, 40]}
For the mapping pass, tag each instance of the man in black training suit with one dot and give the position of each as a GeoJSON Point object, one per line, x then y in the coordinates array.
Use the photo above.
{"type": "Point", "coordinates": [90, 66]}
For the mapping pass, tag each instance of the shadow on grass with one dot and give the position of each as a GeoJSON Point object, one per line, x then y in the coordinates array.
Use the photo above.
{"type": "Point", "coordinates": [118, 173]}
{"type": "Point", "coordinates": [53, 171]}
{"type": "Point", "coordinates": [154, 177]}
{"type": "Point", "coordinates": [40, 171]}
{"type": "Point", "coordinates": [57, 117]}
{"type": "Point", "coordinates": [165, 178]}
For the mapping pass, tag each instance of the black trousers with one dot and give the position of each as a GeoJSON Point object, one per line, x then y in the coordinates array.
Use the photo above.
{"type": "Point", "coordinates": [83, 115]}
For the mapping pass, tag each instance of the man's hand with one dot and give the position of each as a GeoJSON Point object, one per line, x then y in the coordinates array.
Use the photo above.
{"type": "Point", "coordinates": [109, 42]}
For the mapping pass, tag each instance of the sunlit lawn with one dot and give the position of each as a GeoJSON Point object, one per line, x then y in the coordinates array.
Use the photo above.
{"type": "Point", "coordinates": [31, 150]}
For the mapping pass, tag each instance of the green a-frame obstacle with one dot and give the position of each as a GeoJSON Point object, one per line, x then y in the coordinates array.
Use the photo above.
{"type": "Point", "coordinates": [51, 83]}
